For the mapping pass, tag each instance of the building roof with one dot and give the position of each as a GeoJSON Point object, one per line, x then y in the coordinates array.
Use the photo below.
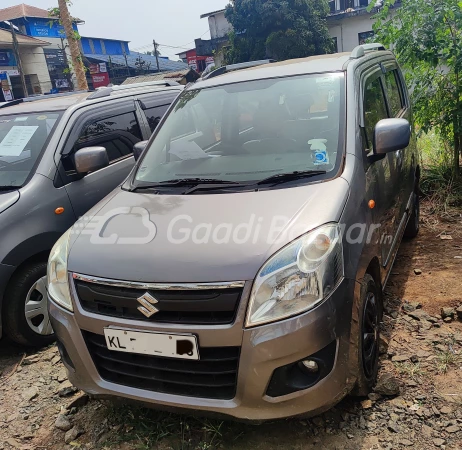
{"type": "Point", "coordinates": [185, 51]}
{"type": "Point", "coordinates": [171, 76]}
{"type": "Point", "coordinates": [212, 13]}
{"type": "Point", "coordinates": [6, 38]}
{"type": "Point", "coordinates": [23, 10]}
{"type": "Point", "coordinates": [105, 39]}
{"type": "Point", "coordinates": [164, 64]}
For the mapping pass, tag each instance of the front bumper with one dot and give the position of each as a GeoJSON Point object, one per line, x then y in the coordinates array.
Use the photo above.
{"type": "Point", "coordinates": [263, 350]}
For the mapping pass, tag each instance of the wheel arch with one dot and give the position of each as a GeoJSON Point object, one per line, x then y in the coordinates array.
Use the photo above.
{"type": "Point", "coordinates": [22, 259]}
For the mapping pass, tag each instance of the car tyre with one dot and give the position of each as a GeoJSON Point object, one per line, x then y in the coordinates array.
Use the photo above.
{"type": "Point", "coordinates": [369, 316]}
{"type": "Point", "coordinates": [412, 228]}
{"type": "Point", "coordinates": [25, 314]}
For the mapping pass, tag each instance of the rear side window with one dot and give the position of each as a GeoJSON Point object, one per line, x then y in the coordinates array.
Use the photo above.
{"type": "Point", "coordinates": [393, 92]}
{"type": "Point", "coordinates": [117, 134]}
{"type": "Point", "coordinates": [154, 115]}
{"type": "Point", "coordinates": [375, 108]}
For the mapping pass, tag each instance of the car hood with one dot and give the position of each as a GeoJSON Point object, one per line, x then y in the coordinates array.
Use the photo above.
{"type": "Point", "coordinates": [197, 238]}
{"type": "Point", "coordinates": [8, 199]}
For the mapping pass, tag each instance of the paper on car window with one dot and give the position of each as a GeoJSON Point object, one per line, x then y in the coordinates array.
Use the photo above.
{"type": "Point", "coordinates": [187, 150]}
{"type": "Point", "coordinates": [16, 140]}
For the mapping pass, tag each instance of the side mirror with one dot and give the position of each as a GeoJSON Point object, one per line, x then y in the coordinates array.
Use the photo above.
{"type": "Point", "coordinates": [138, 149]}
{"type": "Point", "coordinates": [391, 135]}
{"type": "Point", "coordinates": [90, 159]}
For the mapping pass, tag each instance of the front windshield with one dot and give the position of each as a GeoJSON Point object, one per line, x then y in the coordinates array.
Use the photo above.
{"type": "Point", "coordinates": [22, 139]}
{"type": "Point", "coordinates": [249, 131]}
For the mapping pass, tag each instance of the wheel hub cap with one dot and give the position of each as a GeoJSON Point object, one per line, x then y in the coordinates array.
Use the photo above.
{"type": "Point", "coordinates": [36, 308]}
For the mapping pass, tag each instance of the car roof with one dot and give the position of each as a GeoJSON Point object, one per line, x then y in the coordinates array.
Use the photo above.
{"type": "Point", "coordinates": [60, 103]}
{"type": "Point", "coordinates": [314, 64]}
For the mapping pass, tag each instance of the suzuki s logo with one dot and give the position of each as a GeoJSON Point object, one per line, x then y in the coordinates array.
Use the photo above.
{"type": "Point", "coordinates": [147, 305]}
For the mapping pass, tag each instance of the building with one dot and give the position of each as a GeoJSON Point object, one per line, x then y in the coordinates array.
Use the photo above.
{"type": "Point", "coordinates": [108, 60]}
{"type": "Point", "coordinates": [36, 23]}
{"type": "Point", "coordinates": [31, 52]}
{"type": "Point", "coordinates": [349, 23]}
{"type": "Point", "coordinates": [195, 61]}
{"type": "Point", "coordinates": [219, 28]}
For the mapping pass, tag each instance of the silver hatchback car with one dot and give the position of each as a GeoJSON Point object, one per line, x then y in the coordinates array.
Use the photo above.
{"type": "Point", "coordinates": [239, 270]}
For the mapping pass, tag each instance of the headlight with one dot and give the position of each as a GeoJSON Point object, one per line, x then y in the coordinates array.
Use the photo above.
{"type": "Point", "coordinates": [58, 284]}
{"type": "Point", "coordinates": [298, 277]}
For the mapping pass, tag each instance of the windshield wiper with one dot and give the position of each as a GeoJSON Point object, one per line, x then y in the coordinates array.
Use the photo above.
{"type": "Point", "coordinates": [284, 177]}
{"type": "Point", "coordinates": [184, 182]}
{"type": "Point", "coordinates": [9, 188]}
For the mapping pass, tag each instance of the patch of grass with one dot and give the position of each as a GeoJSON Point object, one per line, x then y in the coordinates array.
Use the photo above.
{"type": "Point", "coordinates": [145, 429]}
{"type": "Point", "coordinates": [410, 370]}
{"type": "Point", "coordinates": [447, 359]}
{"type": "Point", "coordinates": [436, 182]}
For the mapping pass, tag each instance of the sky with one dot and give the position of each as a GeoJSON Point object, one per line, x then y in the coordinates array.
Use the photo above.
{"type": "Point", "coordinates": [173, 23]}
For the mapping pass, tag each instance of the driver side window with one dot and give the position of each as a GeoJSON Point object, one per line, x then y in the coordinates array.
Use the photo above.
{"type": "Point", "coordinates": [118, 134]}
{"type": "Point", "coordinates": [375, 108]}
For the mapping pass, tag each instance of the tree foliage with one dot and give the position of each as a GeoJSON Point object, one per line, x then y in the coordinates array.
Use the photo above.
{"type": "Point", "coordinates": [426, 36]}
{"type": "Point", "coordinates": [279, 29]}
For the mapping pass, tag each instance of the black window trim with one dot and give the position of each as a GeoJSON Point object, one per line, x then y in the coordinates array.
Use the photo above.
{"type": "Point", "coordinates": [369, 73]}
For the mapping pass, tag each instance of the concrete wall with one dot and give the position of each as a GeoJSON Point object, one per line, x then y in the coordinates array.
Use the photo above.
{"type": "Point", "coordinates": [347, 30]}
{"type": "Point", "coordinates": [219, 26]}
{"type": "Point", "coordinates": [34, 63]}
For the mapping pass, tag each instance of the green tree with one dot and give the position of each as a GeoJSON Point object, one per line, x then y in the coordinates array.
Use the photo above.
{"type": "Point", "coordinates": [279, 29]}
{"type": "Point", "coordinates": [73, 38]}
{"type": "Point", "coordinates": [426, 36]}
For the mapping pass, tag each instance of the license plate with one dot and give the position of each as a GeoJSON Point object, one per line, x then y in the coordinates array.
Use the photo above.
{"type": "Point", "coordinates": [158, 344]}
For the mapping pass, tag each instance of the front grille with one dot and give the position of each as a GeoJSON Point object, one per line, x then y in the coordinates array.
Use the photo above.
{"type": "Point", "coordinates": [213, 376]}
{"type": "Point", "coordinates": [196, 307]}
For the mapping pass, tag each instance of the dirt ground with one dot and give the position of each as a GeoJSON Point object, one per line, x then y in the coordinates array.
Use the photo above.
{"type": "Point", "coordinates": [417, 403]}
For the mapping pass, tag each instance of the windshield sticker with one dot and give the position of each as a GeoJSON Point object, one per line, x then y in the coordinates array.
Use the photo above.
{"type": "Point", "coordinates": [187, 150]}
{"type": "Point", "coordinates": [20, 119]}
{"type": "Point", "coordinates": [16, 140]}
{"type": "Point", "coordinates": [325, 82]}
{"type": "Point", "coordinates": [5, 120]}
{"type": "Point", "coordinates": [42, 117]}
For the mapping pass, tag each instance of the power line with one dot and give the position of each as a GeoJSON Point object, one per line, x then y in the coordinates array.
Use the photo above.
{"type": "Point", "coordinates": [181, 47]}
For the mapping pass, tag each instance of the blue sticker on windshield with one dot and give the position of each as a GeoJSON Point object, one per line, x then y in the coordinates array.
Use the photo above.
{"type": "Point", "coordinates": [321, 157]}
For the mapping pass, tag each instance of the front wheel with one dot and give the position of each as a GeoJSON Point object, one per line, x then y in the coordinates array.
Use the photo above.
{"type": "Point", "coordinates": [369, 316]}
{"type": "Point", "coordinates": [25, 316]}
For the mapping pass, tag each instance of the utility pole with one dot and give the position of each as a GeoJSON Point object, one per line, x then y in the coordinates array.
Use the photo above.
{"type": "Point", "coordinates": [18, 59]}
{"type": "Point", "coordinates": [156, 53]}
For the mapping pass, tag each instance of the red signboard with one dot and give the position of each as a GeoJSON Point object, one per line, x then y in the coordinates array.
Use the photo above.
{"type": "Point", "coordinates": [100, 79]}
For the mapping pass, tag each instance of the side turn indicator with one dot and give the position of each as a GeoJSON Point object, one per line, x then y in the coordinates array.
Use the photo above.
{"type": "Point", "coordinates": [59, 210]}
{"type": "Point", "coordinates": [371, 204]}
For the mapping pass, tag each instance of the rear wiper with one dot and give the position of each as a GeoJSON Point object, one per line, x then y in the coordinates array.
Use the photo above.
{"type": "Point", "coordinates": [283, 177]}
{"type": "Point", "coordinates": [184, 182]}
